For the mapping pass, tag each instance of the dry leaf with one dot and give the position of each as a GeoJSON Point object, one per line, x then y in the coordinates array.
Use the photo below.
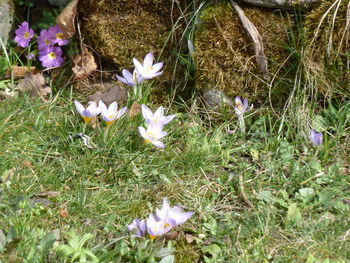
{"type": "Point", "coordinates": [8, 94]}
{"type": "Point", "coordinates": [63, 212]}
{"type": "Point", "coordinates": [115, 93]}
{"type": "Point", "coordinates": [134, 110]}
{"type": "Point", "coordinates": [84, 64]}
{"type": "Point", "coordinates": [41, 201]}
{"type": "Point", "coordinates": [66, 19]}
{"type": "Point", "coordinates": [19, 71]}
{"type": "Point", "coordinates": [47, 194]}
{"type": "Point", "coordinates": [255, 37]}
{"type": "Point", "coordinates": [35, 84]}
{"type": "Point", "coordinates": [190, 238]}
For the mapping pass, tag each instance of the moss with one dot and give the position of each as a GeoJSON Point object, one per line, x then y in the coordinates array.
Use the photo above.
{"type": "Point", "coordinates": [121, 30]}
{"type": "Point", "coordinates": [224, 55]}
{"type": "Point", "coordinates": [328, 46]}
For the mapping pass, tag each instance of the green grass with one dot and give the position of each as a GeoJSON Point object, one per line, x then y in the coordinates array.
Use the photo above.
{"type": "Point", "coordinates": [299, 193]}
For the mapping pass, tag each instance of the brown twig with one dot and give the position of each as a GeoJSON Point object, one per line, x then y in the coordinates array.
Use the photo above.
{"type": "Point", "coordinates": [244, 196]}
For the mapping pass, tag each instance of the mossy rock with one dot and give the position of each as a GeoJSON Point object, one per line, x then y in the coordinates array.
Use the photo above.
{"type": "Point", "coordinates": [328, 42]}
{"type": "Point", "coordinates": [225, 58]}
{"type": "Point", "coordinates": [122, 30]}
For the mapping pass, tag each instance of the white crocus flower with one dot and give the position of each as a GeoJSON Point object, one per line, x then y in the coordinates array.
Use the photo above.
{"type": "Point", "coordinates": [130, 79]}
{"type": "Point", "coordinates": [111, 114]}
{"type": "Point", "coordinates": [172, 216]}
{"type": "Point", "coordinates": [153, 134]}
{"type": "Point", "coordinates": [148, 70]}
{"type": "Point", "coordinates": [156, 228]}
{"type": "Point", "coordinates": [156, 118]}
{"type": "Point", "coordinates": [87, 113]}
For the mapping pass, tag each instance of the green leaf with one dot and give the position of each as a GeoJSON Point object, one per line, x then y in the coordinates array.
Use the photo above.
{"type": "Point", "coordinates": [214, 250]}
{"type": "Point", "coordinates": [2, 240]}
{"type": "Point", "coordinates": [293, 214]}
{"type": "Point", "coordinates": [46, 243]}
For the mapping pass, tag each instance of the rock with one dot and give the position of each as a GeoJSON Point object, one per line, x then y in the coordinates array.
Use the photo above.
{"type": "Point", "coordinates": [6, 18]}
{"type": "Point", "coordinates": [112, 93]}
{"type": "Point", "coordinates": [122, 30]}
{"type": "Point", "coordinates": [224, 55]}
{"type": "Point", "coordinates": [284, 4]}
{"type": "Point", "coordinates": [216, 99]}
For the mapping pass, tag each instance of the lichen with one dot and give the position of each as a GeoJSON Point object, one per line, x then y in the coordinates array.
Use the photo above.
{"type": "Point", "coordinates": [224, 55]}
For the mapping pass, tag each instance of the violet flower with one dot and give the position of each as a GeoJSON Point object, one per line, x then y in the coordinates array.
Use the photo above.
{"type": "Point", "coordinates": [87, 113]}
{"type": "Point", "coordinates": [172, 216]}
{"type": "Point", "coordinates": [156, 118]}
{"type": "Point", "coordinates": [138, 228]}
{"type": "Point", "coordinates": [241, 108]}
{"type": "Point", "coordinates": [316, 137]}
{"type": "Point", "coordinates": [44, 40]}
{"type": "Point", "coordinates": [156, 228]}
{"type": "Point", "coordinates": [51, 57]}
{"type": "Point", "coordinates": [148, 70]}
{"type": "Point", "coordinates": [129, 79]}
{"type": "Point", "coordinates": [24, 34]}
{"type": "Point", "coordinates": [110, 114]}
{"type": "Point", "coordinates": [56, 36]}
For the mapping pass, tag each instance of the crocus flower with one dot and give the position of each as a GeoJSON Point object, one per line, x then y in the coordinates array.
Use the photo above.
{"type": "Point", "coordinates": [44, 40]}
{"type": "Point", "coordinates": [91, 111]}
{"type": "Point", "coordinates": [138, 228]}
{"type": "Point", "coordinates": [30, 56]}
{"type": "Point", "coordinates": [156, 228]}
{"type": "Point", "coordinates": [51, 57]}
{"type": "Point", "coordinates": [110, 114]}
{"type": "Point", "coordinates": [153, 134]}
{"type": "Point", "coordinates": [316, 137]}
{"type": "Point", "coordinates": [148, 70]}
{"type": "Point", "coordinates": [56, 35]}
{"type": "Point", "coordinates": [129, 79]}
{"type": "Point", "coordinates": [157, 117]}
{"type": "Point", "coordinates": [241, 108]}
{"type": "Point", "coordinates": [172, 216]}
{"type": "Point", "coordinates": [24, 34]}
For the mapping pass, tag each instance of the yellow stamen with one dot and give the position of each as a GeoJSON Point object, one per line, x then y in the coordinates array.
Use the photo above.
{"type": "Point", "coordinates": [52, 55]}
{"type": "Point", "coordinates": [166, 225]}
{"type": "Point", "coordinates": [147, 141]}
{"type": "Point", "coordinates": [109, 123]}
{"type": "Point", "coordinates": [59, 35]}
{"type": "Point", "coordinates": [47, 42]}
{"type": "Point", "coordinates": [26, 35]}
{"type": "Point", "coordinates": [239, 106]}
{"type": "Point", "coordinates": [87, 119]}
{"type": "Point", "coordinates": [152, 237]}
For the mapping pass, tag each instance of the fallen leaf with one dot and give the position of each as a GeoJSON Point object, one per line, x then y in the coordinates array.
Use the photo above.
{"type": "Point", "coordinates": [35, 84]}
{"type": "Point", "coordinates": [42, 201]}
{"type": "Point", "coordinates": [134, 110]}
{"type": "Point", "coordinates": [63, 212]}
{"type": "Point", "coordinates": [84, 64]}
{"type": "Point", "coordinates": [190, 238]}
{"type": "Point", "coordinates": [19, 71]}
{"type": "Point", "coordinates": [66, 19]}
{"type": "Point", "coordinates": [115, 93]}
{"type": "Point", "coordinates": [8, 94]}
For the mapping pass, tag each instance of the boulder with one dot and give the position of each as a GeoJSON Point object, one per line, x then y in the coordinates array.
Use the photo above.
{"type": "Point", "coordinates": [6, 18]}
{"type": "Point", "coordinates": [122, 30]}
{"type": "Point", "coordinates": [225, 58]}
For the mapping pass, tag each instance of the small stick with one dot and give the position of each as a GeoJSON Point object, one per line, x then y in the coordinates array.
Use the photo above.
{"type": "Point", "coordinates": [244, 196]}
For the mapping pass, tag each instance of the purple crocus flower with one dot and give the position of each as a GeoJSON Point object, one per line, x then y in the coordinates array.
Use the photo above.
{"type": "Point", "coordinates": [156, 228]}
{"type": "Point", "coordinates": [30, 56]}
{"type": "Point", "coordinates": [129, 79]}
{"type": "Point", "coordinates": [56, 36]}
{"type": "Point", "coordinates": [316, 137]}
{"type": "Point", "coordinates": [110, 114]}
{"type": "Point", "coordinates": [87, 113]}
{"type": "Point", "coordinates": [44, 40]}
{"type": "Point", "coordinates": [51, 57]}
{"type": "Point", "coordinates": [148, 70]}
{"type": "Point", "coordinates": [172, 216]}
{"type": "Point", "coordinates": [24, 34]}
{"type": "Point", "coordinates": [241, 108]}
{"type": "Point", "coordinates": [138, 228]}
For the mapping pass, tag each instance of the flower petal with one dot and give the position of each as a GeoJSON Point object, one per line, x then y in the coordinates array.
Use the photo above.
{"type": "Point", "coordinates": [146, 113]}
{"type": "Point", "coordinates": [148, 61]}
{"type": "Point", "coordinates": [156, 67]}
{"type": "Point", "coordinates": [79, 106]}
